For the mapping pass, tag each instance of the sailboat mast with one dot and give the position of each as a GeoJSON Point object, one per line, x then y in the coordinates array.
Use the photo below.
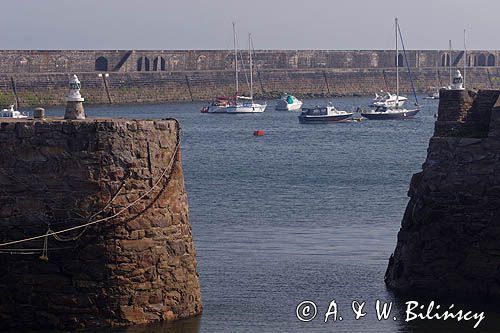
{"type": "Point", "coordinates": [465, 55]}
{"type": "Point", "coordinates": [449, 66]}
{"type": "Point", "coordinates": [251, 65]}
{"type": "Point", "coordinates": [397, 64]}
{"type": "Point", "coordinates": [437, 71]}
{"type": "Point", "coordinates": [235, 57]}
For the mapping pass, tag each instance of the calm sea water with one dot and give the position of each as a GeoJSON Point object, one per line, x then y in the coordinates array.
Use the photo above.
{"type": "Point", "coordinates": [306, 212]}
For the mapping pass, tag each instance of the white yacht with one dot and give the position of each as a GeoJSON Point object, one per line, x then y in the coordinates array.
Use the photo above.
{"type": "Point", "coordinates": [389, 100]}
{"type": "Point", "coordinates": [392, 108]}
{"type": "Point", "coordinates": [288, 102]}
{"type": "Point", "coordinates": [246, 104]}
{"type": "Point", "coordinates": [12, 113]}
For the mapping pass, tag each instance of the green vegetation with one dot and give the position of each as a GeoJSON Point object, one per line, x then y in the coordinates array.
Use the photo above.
{"type": "Point", "coordinates": [6, 99]}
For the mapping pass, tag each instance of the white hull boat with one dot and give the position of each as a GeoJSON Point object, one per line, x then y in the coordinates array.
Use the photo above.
{"type": "Point", "coordinates": [246, 108]}
{"type": "Point", "coordinates": [288, 103]}
{"type": "Point", "coordinates": [12, 113]}
{"type": "Point", "coordinates": [323, 114]}
{"type": "Point", "coordinates": [389, 101]}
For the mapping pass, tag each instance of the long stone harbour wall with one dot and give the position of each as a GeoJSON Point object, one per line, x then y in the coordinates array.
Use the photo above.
{"type": "Point", "coordinates": [136, 266]}
{"type": "Point", "coordinates": [40, 77]}
{"type": "Point", "coordinates": [449, 242]}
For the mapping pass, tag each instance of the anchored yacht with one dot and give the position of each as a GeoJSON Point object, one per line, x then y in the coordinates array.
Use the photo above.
{"type": "Point", "coordinates": [12, 113]}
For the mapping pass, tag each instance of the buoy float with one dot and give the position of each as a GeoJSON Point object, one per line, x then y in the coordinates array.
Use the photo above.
{"type": "Point", "coordinates": [258, 133]}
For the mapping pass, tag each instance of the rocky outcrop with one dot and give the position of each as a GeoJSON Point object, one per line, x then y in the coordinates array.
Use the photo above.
{"type": "Point", "coordinates": [449, 240]}
{"type": "Point", "coordinates": [134, 264]}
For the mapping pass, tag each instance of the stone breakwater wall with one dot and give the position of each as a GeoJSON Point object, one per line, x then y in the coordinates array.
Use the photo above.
{"type": "Point", "coordinates": [449, 242]}
{"type": "Point", "coordinates": [137, 76]}
{"type": "Point", "coordinates": [50, 89]}
{"type": "Point", "coordinates": [137, 266]}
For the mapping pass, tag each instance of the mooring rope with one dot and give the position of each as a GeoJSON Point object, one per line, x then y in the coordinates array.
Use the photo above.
{"type": "Point", "coordinates": [50, 232]}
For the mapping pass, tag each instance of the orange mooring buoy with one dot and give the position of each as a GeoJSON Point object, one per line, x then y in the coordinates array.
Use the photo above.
{"type": "Point", "coordinates": [258, 133]}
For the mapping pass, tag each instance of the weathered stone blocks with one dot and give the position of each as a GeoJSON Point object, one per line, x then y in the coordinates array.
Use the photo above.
{"type": "Point", "coordinates": [449, 237]}
{"type": "Point", "coordinates": [135, 268]}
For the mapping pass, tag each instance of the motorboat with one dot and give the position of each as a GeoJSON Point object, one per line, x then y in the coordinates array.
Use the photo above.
{"type": "Point", "coordinates": [11, 112]}
{"type": "Point", "coordinates": [383, 113]}
{"type": "Point", "coordinates": [323, 114]}
{"type": "Point", "coordinates": [434, 95]}
{"type": "Point", "coordinates": [288, 102]}
{"type": "Point", "coordinates": [389, 100]}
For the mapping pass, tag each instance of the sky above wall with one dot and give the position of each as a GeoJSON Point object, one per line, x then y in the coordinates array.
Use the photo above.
{"type": "Point", "coordinates": [275, 24]}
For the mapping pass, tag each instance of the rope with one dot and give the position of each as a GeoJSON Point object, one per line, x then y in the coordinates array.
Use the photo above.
{"type": "Point", "coordinates": [77, 237]}
{"type": "Point", "coordinates": [55, 233]}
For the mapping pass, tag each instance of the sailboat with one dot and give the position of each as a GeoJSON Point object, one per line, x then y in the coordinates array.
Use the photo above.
{"type": "Point", "coordinates": [397, 112]}
{"type": "Point", "coordinates": [220, 104]}
{"type": "Point", "coordinates": [246, 104]}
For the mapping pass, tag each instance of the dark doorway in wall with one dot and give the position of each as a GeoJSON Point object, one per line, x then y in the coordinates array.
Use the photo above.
{"type": "Point", "coordinates": [491, 60]}
{"type": "Point", "coordinates": [101, 64]}
{"type": "Point", "coordinates": [445, 60]}
{"type": "Point", "coordinates": [481, 60]}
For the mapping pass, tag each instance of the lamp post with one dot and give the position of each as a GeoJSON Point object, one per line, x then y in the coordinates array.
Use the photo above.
{"type": "Point", "coordinates": [104, 76]}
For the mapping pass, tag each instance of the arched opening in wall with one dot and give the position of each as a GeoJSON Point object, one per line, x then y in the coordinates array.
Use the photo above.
{"type": "Point", "coordinates": [445, 60]}
{"type": "Point", "coordinates": [162, 63]}
{"type": "Point", "coordinates": [155, 64]}
{"type": "Point", "coordinates": [400, 61]}
{"type": "Point", "coordinates": [202, 62]}
{"type": "Point", "coordinates": [139, 64]}
{"type": "Point", "coordinates": [471, 61]}
{"type": "Point", "coordinates": [101, 64]}
{"type": "Point", "coordinates": [481, 60]}
{"type": "Point", "coordinates": [146, 64]}
{"type": "Point", "coordinates": [491, 60]}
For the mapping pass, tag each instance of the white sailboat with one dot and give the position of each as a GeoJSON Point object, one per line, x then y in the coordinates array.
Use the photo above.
{"type": "Point", "coordinates": [397, 112]}
{"type": "Point", "coordinates": [246, 104]}
{"type": "Point", "coordinates": [220, 104]}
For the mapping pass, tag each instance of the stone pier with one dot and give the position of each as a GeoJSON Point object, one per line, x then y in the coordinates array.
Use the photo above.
{"type": "Point", "coordinates": [134, 263]}
{"type": "Point", "coordinates": [449, 242]}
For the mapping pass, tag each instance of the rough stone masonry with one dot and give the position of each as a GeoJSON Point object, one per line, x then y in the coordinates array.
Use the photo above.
{"type": "Point", "coordinates": [136, 266]}
{"type": "Point", "coordinates": [449, 242]}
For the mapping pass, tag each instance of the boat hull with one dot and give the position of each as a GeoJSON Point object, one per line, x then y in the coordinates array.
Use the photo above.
{"type": "Point", "coordinates": [217, 109]}
{"type": "Point", "coordinates": [390, 115]}
{"type": "Point", "coordinates": [246, 109]}
{"type": "Point", "coordinates": [288, 107]}
{"type": "Point", "coordinates": [323, 119]}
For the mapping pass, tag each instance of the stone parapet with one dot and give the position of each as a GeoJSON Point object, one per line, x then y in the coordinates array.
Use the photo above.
{"type": "Point", "coordinates": [135, 265]}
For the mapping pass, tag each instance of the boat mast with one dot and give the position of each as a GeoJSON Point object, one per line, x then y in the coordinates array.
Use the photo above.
{"type": "Point", "coordinates": [251, 65]}
{"type": "Point", "coordinates": [397, 65]}
{"type": "Point", "coordinates": [449, 66]}
{"type": "Point", "coordinates": [465, 55]}
{"type": "Point", "coordinates": [437, 71]}
{"type": "Point", "coordinates": [235, 57]}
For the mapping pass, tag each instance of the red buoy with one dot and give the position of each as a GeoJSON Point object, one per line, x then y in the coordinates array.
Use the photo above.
{"type": "Point", "coordinates": [258, 133]}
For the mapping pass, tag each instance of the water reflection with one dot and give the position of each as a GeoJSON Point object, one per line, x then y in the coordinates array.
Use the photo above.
{"type": "Point", "coordinates": [191, 325]}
